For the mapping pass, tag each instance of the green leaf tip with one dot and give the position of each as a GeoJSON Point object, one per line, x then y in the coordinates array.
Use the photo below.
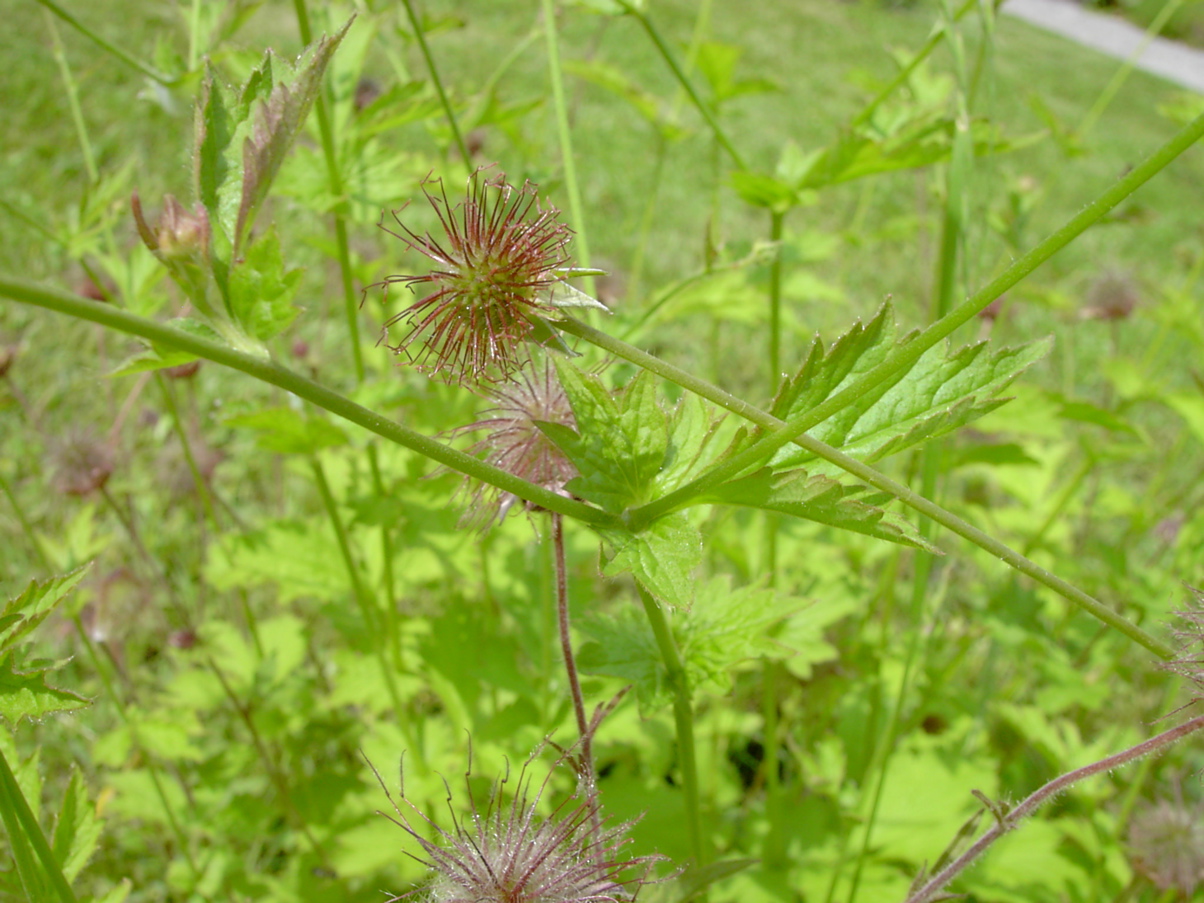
{"type": "Point", "coordinates": [23, 688]}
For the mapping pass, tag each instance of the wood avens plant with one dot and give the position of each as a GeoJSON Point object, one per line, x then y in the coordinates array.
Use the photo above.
{"type": "Point", "coordinates": [495, 314]}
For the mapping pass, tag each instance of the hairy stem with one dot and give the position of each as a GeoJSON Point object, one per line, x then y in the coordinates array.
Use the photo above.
{"type": "Point", "coordinates": [903, 359]}
{"type": "Point", "coordinates": [274, 374]}
{"type": "Point", "coordinates": [570, 663]}
{"type": "Point", "coordinates": [1007, 821]}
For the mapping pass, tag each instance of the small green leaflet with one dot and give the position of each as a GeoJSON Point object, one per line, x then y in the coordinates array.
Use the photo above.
{"type": "Point", "coordinates": [620, 442]}
{"type": "Point", "coordinates": [725, 628]}
{"type": "Point", "coordinates": [627, 447]}
{"type": "Point", "coordinates": [662, 557]}
{"type": "Point", "coordinates": [940, 393]}
{"type": "Point", "coordinates": [23, 688]}
{"type": "Point", "coordinates": [629, 451]}
{"type": "Point", "coordinates": [262, 290]}
{"type": "Point", "coordinates": [76, 829]}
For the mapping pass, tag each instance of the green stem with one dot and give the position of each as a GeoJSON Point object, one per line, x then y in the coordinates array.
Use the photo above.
{"type": "Point", "coordinates": [570, 662]}
{"type": "Point", "coordinates": [684, 80]}
{"type": "Point", "coordinates": [905, 73]}
{"type": "Point", "coordinates": [26, 526]}
{"type": "Point", "coordinates": [152, 769]}
{"type": "Point", "coordinates": [903, 359]}
{"type": "Point", "coordinates": [77, 114]}
{"type": "Point", "coordinates": [576, 207]}
{"type": "Point", "coordinates": [683, 716]}
{"type": "Point", "coordinates": [1008, 820]}
{"type": "Point", "coordinates": [150, 72]}
{"type": "Point", "coordinates": [277, 778]}
{"type": "Point", "coordinates": [1126, 68]}
{"type": "Point", "coordinates": [420, 36]}
{"type": "Point", "coordinates": [386, 551]}
{"type": "Point", "coordinates": [21, 825]}
{"type": "Point", "coordinates": [177, 424]}
{"type": "Point", "coordinates": [773, 850]}
{"type": "Point", "coordinates": [272, 373]}
{"type": "Point", "coordinates": [194, 26]}
{"type": "Point", "coordinates": [776, 222]}
{"type": "Point", "coordinates": [380, 638]}
{"type": "Point", "coordinates": [351, 307]}
{"type": "Point", "coordinates": [644, 515]}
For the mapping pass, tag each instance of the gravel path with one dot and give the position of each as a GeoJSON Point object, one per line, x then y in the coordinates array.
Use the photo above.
{"type": "Point", "coordinates": [1115, 37]}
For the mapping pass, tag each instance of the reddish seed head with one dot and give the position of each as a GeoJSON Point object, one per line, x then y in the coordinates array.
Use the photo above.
{"type": "Point", "coordinates": [493, 268]}
{"type": "Point", "coordinates": [506, 853]}
{"type": "Point", "coordinates": [514, 442]}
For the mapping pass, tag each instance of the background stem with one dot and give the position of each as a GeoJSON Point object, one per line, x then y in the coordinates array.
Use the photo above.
{"type": "Point", "coordinates": [683, 716]}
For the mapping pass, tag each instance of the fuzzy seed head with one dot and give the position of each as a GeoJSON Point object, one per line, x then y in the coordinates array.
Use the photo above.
{"type": "Point", "coordinates": [514, 441]}
{"type": "Point", "coordinates": [1190, 634]}
{"type": "Point", "coordinates": [494, 266]}
{"type": "Point", "coordinates": [1167, 846]}
{"type": "Point", "coordinates": [507, 853]}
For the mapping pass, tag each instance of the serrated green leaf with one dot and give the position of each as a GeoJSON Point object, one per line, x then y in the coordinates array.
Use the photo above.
{"type": "Point", "coordinates": [24, 692]}
{"type": "Point", "coordinates": [24, 613]}
{"type": "Point", "coordinates": [216, 123]}
{"type": "Point", "coordinates": [279, 116]}
{"type": "Point", "coordinates": [623, 646]}
{"type": "Point", "coordinates": [288, 432]}
{"type": "Point", "coordinates": [723, 629]}
{"type": "Point", "coordinates": [693, 429]}
{"type": "Point", "coordinates": [820, 499]}
{"type": "Point", "coordinates": [726, 627]}
{"type": "Point", "coordinates": [261, 290]}
{"type": "Point", "coordinates": [662, 557]}
{"type": "Point", "coordinates": [620, 442]}
{"type": "Point", "coordinates": [940, 393]}
{"type": "Point", "coordinates": [76, 829]}
{"type": "Point", "coordinates": [242, 140]}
